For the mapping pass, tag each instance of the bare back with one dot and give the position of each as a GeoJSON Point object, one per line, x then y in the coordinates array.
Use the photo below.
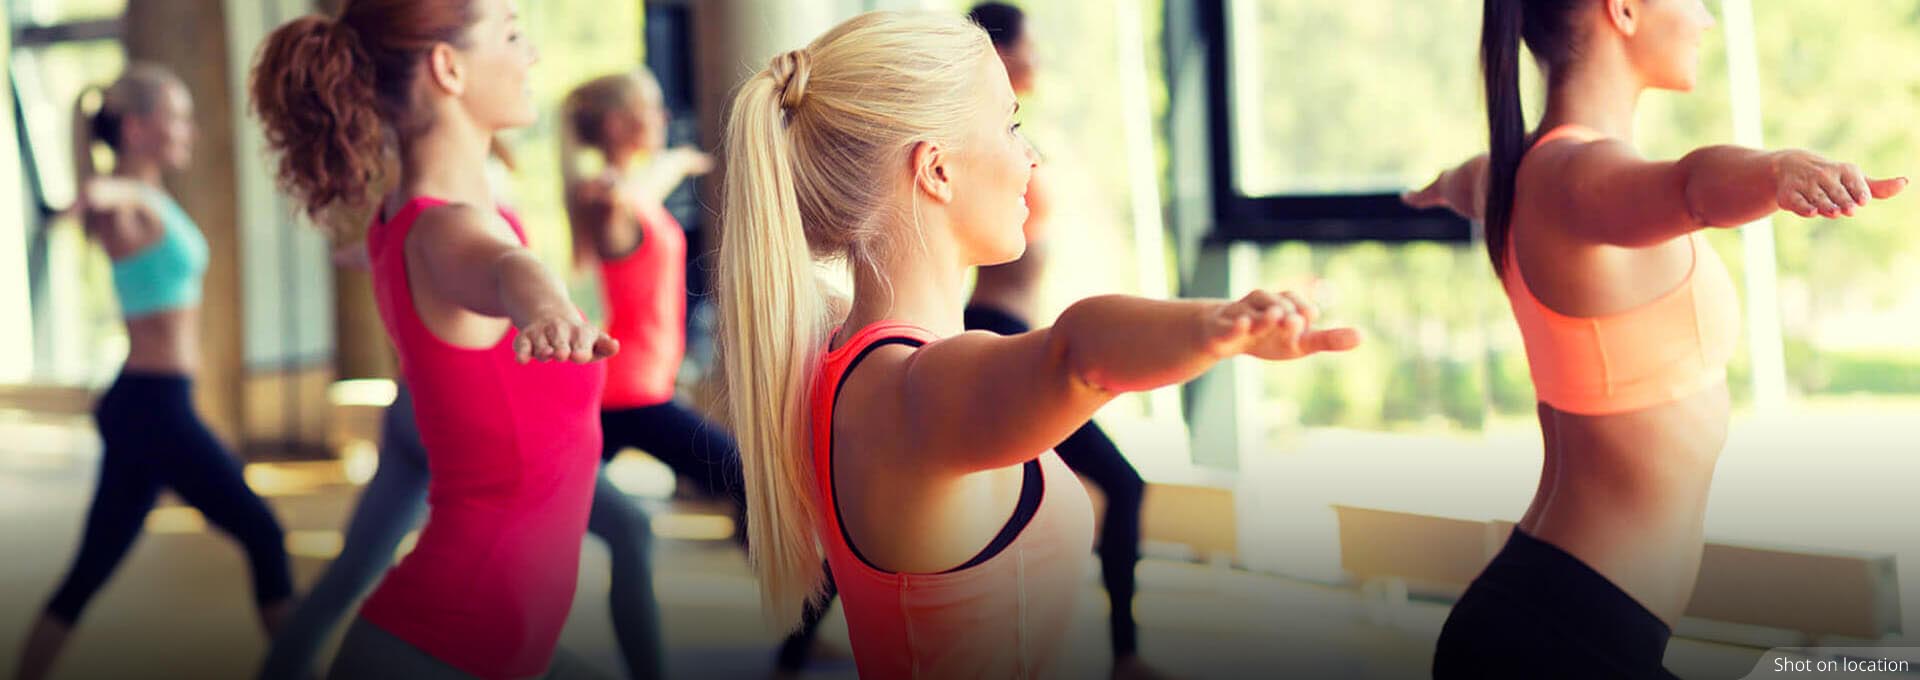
{"type": "Point", "coordinates": [904, 513]}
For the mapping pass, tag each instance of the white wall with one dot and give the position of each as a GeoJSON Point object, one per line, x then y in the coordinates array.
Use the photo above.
{"type": "Point", "coordinates": [16, 344]}
{"type": "Point", "coordinates": [285, 277]}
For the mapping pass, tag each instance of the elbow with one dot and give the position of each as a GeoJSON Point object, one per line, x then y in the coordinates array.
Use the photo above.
{"type": "Point", "coordinates": [1696, 207]}
{"type": "Point", "coordinates": [1701, 205]}
{"type": "Point", "coordinates": [1067, 350]}
{"type": "Point", "coordinates": [501, 272]}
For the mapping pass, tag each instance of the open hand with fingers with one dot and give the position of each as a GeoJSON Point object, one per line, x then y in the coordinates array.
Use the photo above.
{"type": "Point", "coordinates": [1433, 195]}
{"type": "Point", "coordinates": [1274, 326]}
{"type": "Point", "coordinates": [563, 337]}
{"type": "Point", "coordinates": [1461, 189]}
{"type": "Point", "coordinates": [691, 161]}
{"type": "Point", "coordinates": [1808, 184]}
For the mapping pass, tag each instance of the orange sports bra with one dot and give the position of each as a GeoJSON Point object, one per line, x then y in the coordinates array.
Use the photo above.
{"type": "Point", "coordinates": [1654, 354]}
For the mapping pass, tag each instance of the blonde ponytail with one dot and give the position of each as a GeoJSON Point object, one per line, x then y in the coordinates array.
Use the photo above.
{"type": "Point", "coordinates": [774, 318]}
{"type": "Point", "coordinates": [816, 146]}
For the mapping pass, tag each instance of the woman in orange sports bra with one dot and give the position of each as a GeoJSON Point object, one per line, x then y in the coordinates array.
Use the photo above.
{"type": "Point", "coordinates": [1628, 317]}
{"type": "Point", "coordinates": [911, 456]}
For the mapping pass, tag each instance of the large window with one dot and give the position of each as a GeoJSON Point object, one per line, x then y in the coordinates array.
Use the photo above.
{"type": "Point", "coordinates": [1318, 113]}
{"type": "Point", "coordinates": [1347, 97]}
{"type": "Point", "coordinates": [49, 79]}
{"type": "Point", "coordinates": [58, 49]}
{"type": "Point", "coordinates": [1850, 296]}
{"type": "Point", "coordinates": [13, 262]}
{"type": "Point", "coordinates": [1364, 99]}
{"type": "Point", "coordinates": [52, 12]}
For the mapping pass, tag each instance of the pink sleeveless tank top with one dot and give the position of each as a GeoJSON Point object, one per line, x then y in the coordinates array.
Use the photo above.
{"type": "Point", "coordinates": [646, 297]}
{"type": "Point", "coordinates": [513, 450]}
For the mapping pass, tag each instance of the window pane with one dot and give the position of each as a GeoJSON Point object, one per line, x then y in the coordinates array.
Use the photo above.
{"type": "Point", "coordinates": [44, 12]}
{"type": "Point", "coordinates": [16, 347]}
{"type": "Point", "coordinates": [1351, 96]}
{"type": "Point", "coordinates": [1845, 84]}
{"type": "Point", "coordinates": [50, 80]}
{"type": "Point", "coordinates": [75, 318]}
{"type": "Point", "coordinates": [1441, 353]}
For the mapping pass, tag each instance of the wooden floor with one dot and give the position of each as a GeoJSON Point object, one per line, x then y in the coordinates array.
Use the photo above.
{"type": "Point", "coordinates": [178, 607]}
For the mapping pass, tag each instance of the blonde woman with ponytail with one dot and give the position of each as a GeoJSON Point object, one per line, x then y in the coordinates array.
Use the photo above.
{"type": "Point", "coordinates": [912, 456]}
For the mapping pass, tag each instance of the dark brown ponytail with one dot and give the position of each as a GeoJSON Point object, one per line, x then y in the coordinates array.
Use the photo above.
{"type": "Point", "coordinates": [1542, 24]}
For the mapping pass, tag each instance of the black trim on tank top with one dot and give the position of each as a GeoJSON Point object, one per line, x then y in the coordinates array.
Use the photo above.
{"type": "Point", "coordinates": [1032, 485]}
{"type": "Point", "coordinates": [985, 317]}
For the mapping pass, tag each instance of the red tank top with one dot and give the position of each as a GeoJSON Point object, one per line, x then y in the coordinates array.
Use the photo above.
{"type": "Point", "coordinates": [1005, 617]}
{"type": "Point", "coordinates": [646, 299]}
{"type": "Point", "coordinates": [513, 450]}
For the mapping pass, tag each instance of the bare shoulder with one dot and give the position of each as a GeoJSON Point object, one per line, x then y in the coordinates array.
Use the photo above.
{"type": "Point", "coordinates": [1563, 172]}
{"type": "Point", "coordinates": [868, 401]}
{"type": "Point", "coordinates": [1550, 161]}
{"type": "Point", "coordinates": [876, 380]}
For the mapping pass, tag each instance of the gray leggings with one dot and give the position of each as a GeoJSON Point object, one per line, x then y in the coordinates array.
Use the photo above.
{"type": "Point", "coordinates": [372, 653]}
{"type": "Point", "coordinates": [392, 505]}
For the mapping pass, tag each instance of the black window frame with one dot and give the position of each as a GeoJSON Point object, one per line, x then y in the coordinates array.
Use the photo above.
{"type": "Point", "coordinates": [1288, 218]}
{"type": "Point", "coordinates": [27, 36]}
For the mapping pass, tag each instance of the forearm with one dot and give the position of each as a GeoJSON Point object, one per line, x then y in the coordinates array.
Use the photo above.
{"type": "Point", "coordinates": [527, 290]}
{"type": "Point", "coordinates": [665, 174]}
{"type": "Point", "coordinates": [1726, 186]}
{"type": "Point", "coordinates": [1466, 187]}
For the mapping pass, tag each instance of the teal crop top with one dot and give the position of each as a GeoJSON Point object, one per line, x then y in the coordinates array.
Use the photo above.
{"type": "Point", "coordinates": [165, 275]}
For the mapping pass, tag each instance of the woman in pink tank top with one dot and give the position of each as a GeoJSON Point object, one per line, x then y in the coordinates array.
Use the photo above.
{"type": "Point", "coordinates": [910, 456]}
{"type": "Point", "coordinates": [503, 368]}
{"type": "Point", "coordinates": [1629, 319]}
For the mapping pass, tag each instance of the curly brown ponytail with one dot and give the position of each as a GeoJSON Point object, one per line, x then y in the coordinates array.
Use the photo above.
{"type": "Point", "coordinates": [332, 93]}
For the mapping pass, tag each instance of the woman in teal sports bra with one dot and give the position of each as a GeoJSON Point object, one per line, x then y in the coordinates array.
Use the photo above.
{"type": "Point", "coordinates": [153, 439]}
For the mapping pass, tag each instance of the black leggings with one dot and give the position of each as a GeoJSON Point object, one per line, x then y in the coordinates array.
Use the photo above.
{"type": "Point", "coordinates": [155, 440]}
{"type": "Point", "coordinates": [697, 450]}
{"type": "Point", "coordinates": [693, 447]}
{"type": "Point", "coordinates": [1538, 607]}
